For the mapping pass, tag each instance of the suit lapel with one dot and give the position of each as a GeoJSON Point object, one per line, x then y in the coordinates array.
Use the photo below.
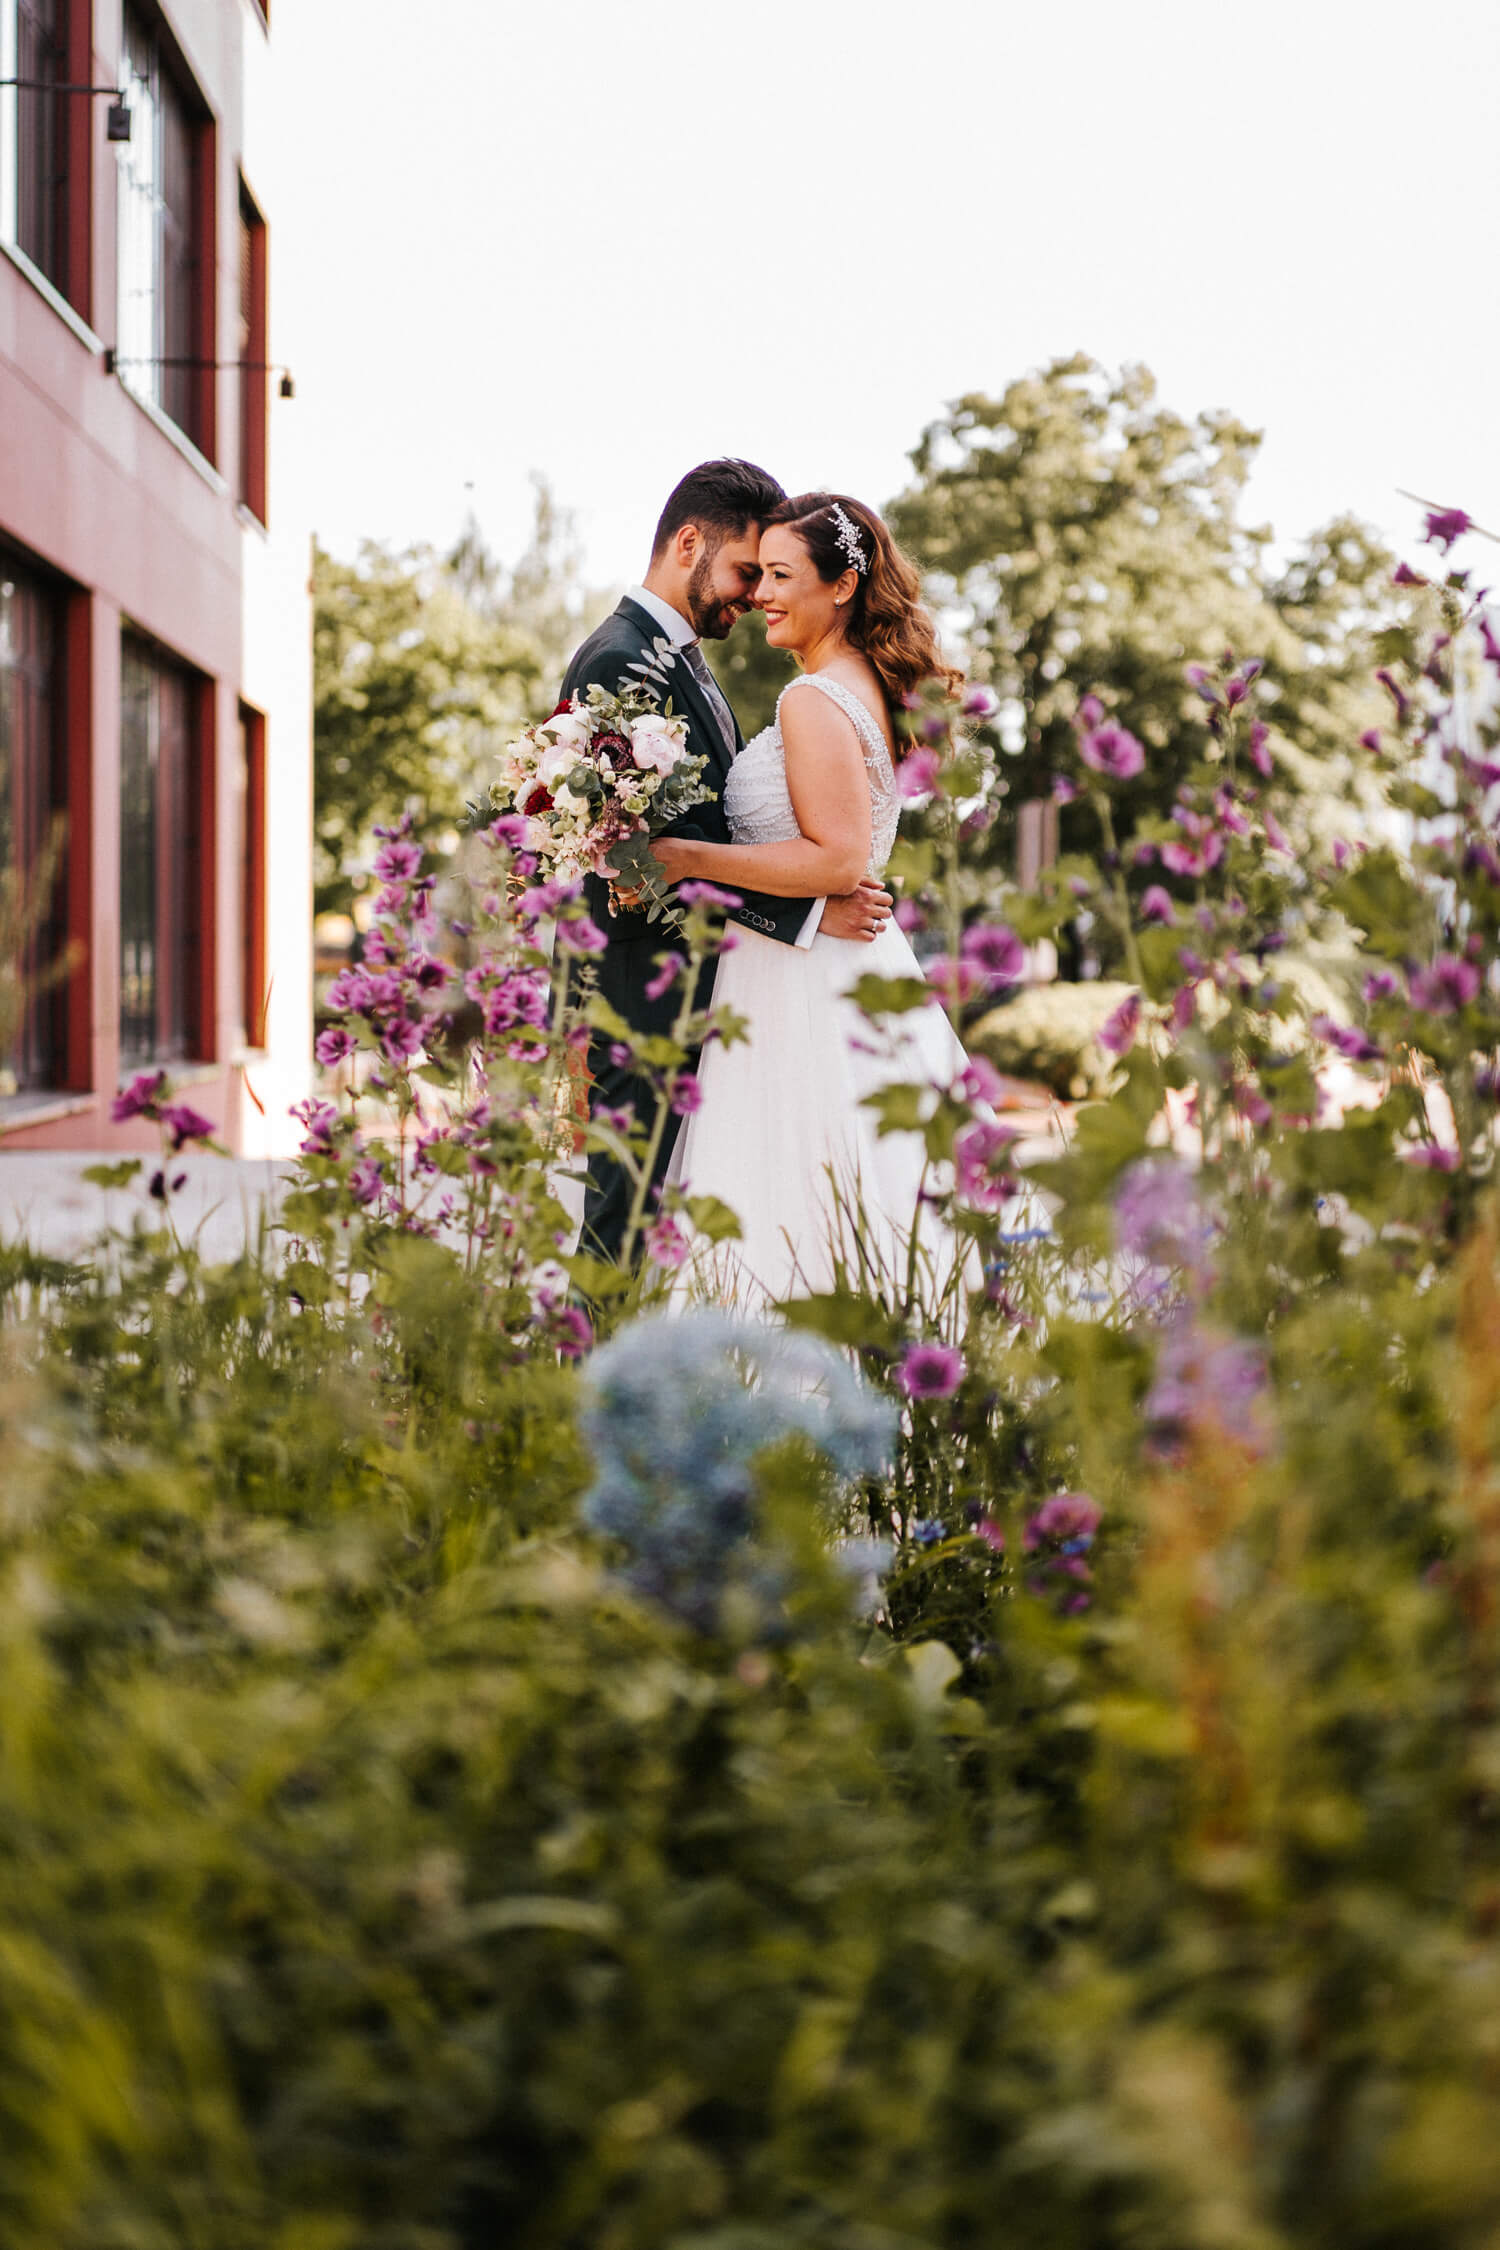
{"type": "Point", "coordinates": [687, 697]}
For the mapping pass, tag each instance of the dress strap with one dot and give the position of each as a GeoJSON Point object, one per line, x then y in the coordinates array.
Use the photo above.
{"type": "Point", "coordinates": [866, 726]}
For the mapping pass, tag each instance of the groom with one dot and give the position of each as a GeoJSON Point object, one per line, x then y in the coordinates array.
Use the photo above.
{"type": "Point", "coordinates": [703, 575]}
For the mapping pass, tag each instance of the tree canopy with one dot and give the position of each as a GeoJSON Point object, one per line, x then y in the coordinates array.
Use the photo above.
{"type": "Point", "coordinates": [1081, 538]}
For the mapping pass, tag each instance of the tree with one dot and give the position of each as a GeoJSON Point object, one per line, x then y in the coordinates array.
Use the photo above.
{"type": "Point", "coordinates": [1084, 539]}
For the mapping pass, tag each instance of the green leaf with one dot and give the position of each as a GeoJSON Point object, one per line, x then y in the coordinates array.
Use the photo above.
{"type": "Point", "coordinates": [891, 996]}
{"type": "Point", "coordinates": [113, 1175]}
{"type": "Point", "coordinates": [713, 1218]}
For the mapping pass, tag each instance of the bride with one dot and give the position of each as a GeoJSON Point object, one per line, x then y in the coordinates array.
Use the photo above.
{"type": "Point", "coordinates": [781, 1133]}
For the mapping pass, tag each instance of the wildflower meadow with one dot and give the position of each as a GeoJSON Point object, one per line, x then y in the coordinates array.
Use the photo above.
{"type": "Point", "coordinates": [1006, 1754]}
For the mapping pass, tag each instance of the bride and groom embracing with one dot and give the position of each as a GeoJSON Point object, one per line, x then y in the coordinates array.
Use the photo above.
{"type": "Point", "coordinates": [800, 829]}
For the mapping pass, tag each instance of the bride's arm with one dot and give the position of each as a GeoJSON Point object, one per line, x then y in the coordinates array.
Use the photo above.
{"type": "Point", "coordinates": [825, 772]}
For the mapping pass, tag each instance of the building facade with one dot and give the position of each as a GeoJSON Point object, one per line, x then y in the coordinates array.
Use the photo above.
{"type": "Point", "coordinates": [155, 689]}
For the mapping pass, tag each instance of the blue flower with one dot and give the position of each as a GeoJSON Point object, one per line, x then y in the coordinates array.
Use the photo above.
{"type": "Point", "coordinates": [679, 1409]}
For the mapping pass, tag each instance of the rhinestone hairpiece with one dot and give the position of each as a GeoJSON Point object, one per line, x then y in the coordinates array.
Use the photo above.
{"type": "Point", "coordinates": [849, 545]}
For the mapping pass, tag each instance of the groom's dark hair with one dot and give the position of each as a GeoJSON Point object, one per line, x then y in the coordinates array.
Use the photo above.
{"type": "Point", "coordinates": [724, 497]}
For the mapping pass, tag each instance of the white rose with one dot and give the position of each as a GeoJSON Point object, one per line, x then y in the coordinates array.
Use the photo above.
{"type": "Point", "coordinates": [567, 804]}
{"type": "Point", "coordinates": [569, 727]}
{"type": "Point", "coordinates": [554, 764]}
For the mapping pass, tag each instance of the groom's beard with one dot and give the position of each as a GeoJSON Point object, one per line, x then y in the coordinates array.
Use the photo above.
{"type": "Point", "coordinates": [712, 619]}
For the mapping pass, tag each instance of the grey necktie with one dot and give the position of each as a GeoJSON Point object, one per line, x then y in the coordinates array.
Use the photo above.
{"type": "Point", "coordinates": [698, 666]}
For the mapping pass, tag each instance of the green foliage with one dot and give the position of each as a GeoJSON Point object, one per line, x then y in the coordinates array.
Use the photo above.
{"type": "Point", "coordinates": [1088, 541]}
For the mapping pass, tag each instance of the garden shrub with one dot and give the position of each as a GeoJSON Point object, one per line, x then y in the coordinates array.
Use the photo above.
{"type": "Point", "coordinates": [454, 1785]}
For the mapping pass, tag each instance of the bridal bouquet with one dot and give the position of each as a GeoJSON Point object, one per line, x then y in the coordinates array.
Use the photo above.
{"type": "Point", "coordinates": [596, 782]}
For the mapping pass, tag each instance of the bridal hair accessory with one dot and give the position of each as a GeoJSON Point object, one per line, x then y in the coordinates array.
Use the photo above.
{"type": "Point", "coordinates": [848, 538]}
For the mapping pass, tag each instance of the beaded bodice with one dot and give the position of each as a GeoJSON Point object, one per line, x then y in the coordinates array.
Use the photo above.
{"type": "Point", "coordinates": [758, 803]}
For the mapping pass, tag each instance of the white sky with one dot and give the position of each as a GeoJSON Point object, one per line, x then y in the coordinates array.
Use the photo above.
{"type": "Point", "coordinates": [603, 241]}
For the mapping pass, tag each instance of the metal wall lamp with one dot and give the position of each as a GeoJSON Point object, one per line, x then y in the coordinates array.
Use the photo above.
{"type": "Point", "coordinates": [286, 388]}
{"type": "Point", "coordinates": [117, 121]}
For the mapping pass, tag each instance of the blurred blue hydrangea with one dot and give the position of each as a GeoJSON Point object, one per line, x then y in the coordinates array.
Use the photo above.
{"type": "Point", "coordinates": [679, 1406]}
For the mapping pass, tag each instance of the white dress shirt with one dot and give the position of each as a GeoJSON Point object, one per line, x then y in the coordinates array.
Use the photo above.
{"type": "Point", "coordinates": [677, 629]}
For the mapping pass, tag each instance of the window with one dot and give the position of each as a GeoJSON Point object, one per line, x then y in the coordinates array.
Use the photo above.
{"type": "Point", "coordinates": [162, 802]}
{"type": "Point", "coordinates": [165, 317]}
{"type": "Point", "coordinates": [252, 357]}
{"type": "Point", "coordinates": [35, 133]}
{"type": "Point", "coordinates": [31, 749]}
{"type": "Point", "coordinates": [253, 876]}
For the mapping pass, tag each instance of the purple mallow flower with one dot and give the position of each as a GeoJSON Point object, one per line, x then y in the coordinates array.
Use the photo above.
{"type": "Point", "coordinates": [185, 1124]}
{"type": "Point", "coordinates": [333, 1045]}
{"type": "Point", "coordinates": [1451, 983]}
{"type": "Point", "coordinates": [994, 948]}
{"type": "Point", "coordinates": [365, 1179]}
{"type": "Point", "coordinates": [665, 1243]}
{"type": "Point", "coordinates": [981, 1164]}
{"type": "Point", "coordinates": [1159, 1215]}
{"type": "Point", "coordinates": [930, 1371]}
{"type": "Point", "coordinates": [1345, 1039]}
{"type": "Point", "coordinates": [917, 774]}
{"type": "Point", "coordinates": [708, 894]}
{"type": "Point", "coordinates": [141, 1098]}
{"type": "Point", "coordinates": [1431, 1156]}
{"type": "Point", "coordinates": [1157, 906]}
{"type": "Point", "coordinates": [1117, 1032]}
{"type": "Point", "coordinates": [397, 861]}
{"type": "Point", "coordinates": [1111, 749]}
{"type": "Point", "coordinates": [1444, 525]}
{"type": "Point", "coordinates": [685, 1094]}
{"type": "Point", "coordinates": [580, 934]}
{"type": "Point", "coordinates": [668, 971]}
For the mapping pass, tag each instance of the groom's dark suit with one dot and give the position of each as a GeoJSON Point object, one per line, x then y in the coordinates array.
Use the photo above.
{"type": "Point", "coordinates": [626, 967]}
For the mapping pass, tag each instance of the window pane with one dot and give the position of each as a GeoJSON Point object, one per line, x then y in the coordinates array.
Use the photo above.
{"type": "Point", "coordinates": [34, 132]}
{"type": "Point", "coordinates": [156, 816]}
{"type": "Point", "coordinates": [158, 250]}
{"type": "Point", "coordinates": [30, 799]}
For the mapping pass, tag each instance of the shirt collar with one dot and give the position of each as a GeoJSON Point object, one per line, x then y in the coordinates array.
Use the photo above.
{"type": "Point", "coordinates": [676, 627]}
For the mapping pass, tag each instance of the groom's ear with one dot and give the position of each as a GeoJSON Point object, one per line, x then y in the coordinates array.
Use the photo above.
{"type": "Point", "coordinates": [686, 541]}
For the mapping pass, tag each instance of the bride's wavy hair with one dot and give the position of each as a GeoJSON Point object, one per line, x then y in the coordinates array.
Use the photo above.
{"type": "Point", "coordinates": [887, 621]}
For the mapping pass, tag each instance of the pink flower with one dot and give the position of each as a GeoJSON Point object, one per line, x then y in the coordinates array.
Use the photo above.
{"type": "Point", "coordinates": [981, 1164]}
{"type": "Point", "coordinates": [664, 1242]}
{"type": "Point", "coordinates": [365, 1179]}
{"type": "Point", "coordinates": [509, 831]}
{"type": "Point", "coordinates": [981, 1082]}
{"type": "Point", "coordinates": [685, 1095]}
{"type": "Point", "coordinates": [185, 1124]}
{"type": "Point", "coordinates": [909, 916]}
{"type": "Point", "coordinates": [1370, 740]}
{"type": "Point", "coordinates": [1157, 906]}
{"type": "Point", "coordinates": [1451, 983]}
{"type": "Point", "coordinates": [1346, 1039]}
{"type": "Point", "coordinates": [141, 1098]}
{"type": "Point", "coordinates": [991, 1533]}
{"type": "Point", "coordinates": [572, 1332]}
{"type": "Point", "coordinates": [653, 751]}
{"type": "Point", "coordinates": [1260, 756]}
{"type": "Point", "coordinates": [979, 702]}
{"type": "Point", "coordinates": [1090, 711]}
{"type": "Point", "coordinates": [1184, 1007]}
{"type": "Point", "coordinates": [397, 861]}
{"type": "Point", "coordinates": [917, 774]}
{"type": "Point", "coordinates": [1068, 1518]}
{"type": "Point", "coordinates": [1428, 1156]}
{"type": "Point", "coordinates": [319, 1119]}
{"type": "Point", "coordinates": [708, 894]}
{"type": "Point", "coordinates": [955, 982]}
{"type": "Point", "coordinates": [1444, 525]}
{"type": "Point", "coordinates": [1064, 789]}
{"type": "Point", "coordinates": [1110, 749]}
{"type": "Point", "coordinates": [994, 948]}
{"type": "Point", "coordinates": [1189, 859]}
{"type": "Point", "coordinates": [1250, 1103]}
{"type": "Point", "coordinates": [1381, 984]}
{"type": "Point", "coordinates": [580, 934]}
{"type": "Point", "coordinates": [1117, 1033]}
{"type": "Point", "coordinates": [669, 970]}
{"type": "Point", "coordinates": [332, 1046]}
{"type": "Point", "coordinates": [930, 1371]}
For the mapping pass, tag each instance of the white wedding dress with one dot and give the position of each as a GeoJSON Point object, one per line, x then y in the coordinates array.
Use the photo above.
{"type": "Point", "coordinates": [781, 1134]}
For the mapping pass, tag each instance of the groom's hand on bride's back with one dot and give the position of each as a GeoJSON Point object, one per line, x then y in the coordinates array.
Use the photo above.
{"type": "Point", "coordinates": [860, 913]}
